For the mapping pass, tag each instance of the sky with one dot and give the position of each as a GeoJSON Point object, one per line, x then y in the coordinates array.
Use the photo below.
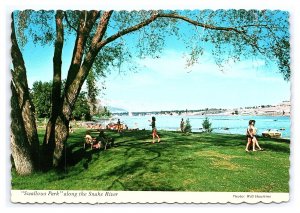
{"type": "Point", "coordinates": [166, 83]}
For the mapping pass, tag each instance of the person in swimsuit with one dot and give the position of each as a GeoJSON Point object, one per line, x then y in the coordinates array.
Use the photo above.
{"type": "Point", "coordinates": [182, 125]}
{"type": "Point", "coordinates": [251, 138]}
{"type": "Point", "coordinates": [119, 126]}
{"type": "Point", "coordinates": [154, 131]}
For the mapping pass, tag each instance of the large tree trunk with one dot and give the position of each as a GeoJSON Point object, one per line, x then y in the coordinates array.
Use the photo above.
{"type": "Point", "coordinates": [58, 127]}
{"type": "Point", "coordinates": [57, 132]}
{"type": "Point", "coordinates": [19, 79]}
{"type": "Point", "coordinates": [77, 74]}
{"type": "Point", "coordinates": [55, 121]}
{"type": "Point", "coordinates": [21, 150]}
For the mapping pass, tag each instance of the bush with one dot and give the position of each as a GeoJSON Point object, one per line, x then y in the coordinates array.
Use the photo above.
{"type": "Point", "coordinates": [187, 127]}
{"type": "Point", "coordinates": [206, 125]}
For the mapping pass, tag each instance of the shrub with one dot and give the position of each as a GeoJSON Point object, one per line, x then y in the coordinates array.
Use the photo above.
{"type": "Point", "coordinates": [187, 127]}
{"type": "Point", "coordinates": [206, 125]}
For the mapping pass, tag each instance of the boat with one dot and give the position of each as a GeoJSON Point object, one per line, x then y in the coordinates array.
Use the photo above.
{"type": "Point", "coordinates": [271, 134]}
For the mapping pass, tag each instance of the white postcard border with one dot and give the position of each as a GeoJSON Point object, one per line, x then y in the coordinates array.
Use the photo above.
{"type": "Point", "coordinates": [16, 195]}
{"type": "Point", "coordinates": [98, 197]}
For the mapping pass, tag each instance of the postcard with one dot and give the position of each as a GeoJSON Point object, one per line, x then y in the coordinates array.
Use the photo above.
{"type": "Point", "coordinates": [150, 106]}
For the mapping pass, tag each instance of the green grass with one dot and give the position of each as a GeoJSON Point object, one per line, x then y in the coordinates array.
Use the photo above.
{"type": "Point", "coordinates": [196, 162]}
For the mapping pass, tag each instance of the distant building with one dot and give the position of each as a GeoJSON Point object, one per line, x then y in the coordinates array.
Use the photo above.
{"type": "Point", "coordinates": [285, 104]}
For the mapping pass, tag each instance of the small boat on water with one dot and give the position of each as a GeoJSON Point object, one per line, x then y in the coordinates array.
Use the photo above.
{"type": "Point", "coordinates": [271, 134]}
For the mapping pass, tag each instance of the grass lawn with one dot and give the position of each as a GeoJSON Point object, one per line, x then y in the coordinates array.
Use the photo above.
{"type": "Point", "coordinates": [196, 162]}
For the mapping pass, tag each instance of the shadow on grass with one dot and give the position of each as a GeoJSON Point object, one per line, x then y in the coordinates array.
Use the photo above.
{"type": "Point", "coordinates": [275, 145]}
{"type": "Point", "coordinates": [75, 153]}
{"type": "Point", "coordinates": [123, 172]}
{"type": "Point", "coordinates": [130, 141]}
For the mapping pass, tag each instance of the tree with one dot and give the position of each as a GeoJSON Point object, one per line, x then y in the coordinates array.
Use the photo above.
{"type": "Point", "coordinates": [92, 91]}
{"type": "Point", "coordinates": [21, 149]}
{"type": "Point", "coordinates": [82, 108]}
{"type": "Point", "coordinates": [41, 98]}
{"type": "Point", "coordinates": [187, 127]}
{"type": "Point", "coordinates": [104, 112]}
{"type": "Point", "coordinates": [99, 44]}
{"type": "Point", "coordinates": [206, 125]}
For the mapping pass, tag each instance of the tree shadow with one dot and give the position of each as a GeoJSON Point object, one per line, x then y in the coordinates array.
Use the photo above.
{"type": "Point", "coordinates": [240, 140]}
{"type": "Point", "coordinates": [141, 140]}
{"type": "Point", "coordinates": [138, 169]}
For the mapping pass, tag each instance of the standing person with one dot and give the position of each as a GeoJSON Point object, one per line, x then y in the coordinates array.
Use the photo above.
{"type": "Point", "coordinates": [119, 126]}
{"type": "Point", "coordinates": [182, 125]}
{"type": "Point", "coordinates": [251, 138]}
{"type": "Point", "coordinates": [154, 130]}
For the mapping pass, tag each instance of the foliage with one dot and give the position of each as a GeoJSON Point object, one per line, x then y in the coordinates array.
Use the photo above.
{"type": "Point", "coordinates": [231, 35]}
{"type": "Point", "coordinates": [104, 112]}
{"type": "Point", "coordinates": [206, 125]}
{"type": "Point", "coordinates": [82, 108]}
{"type": "Point", "coordinates": [41, 97]}
{"type": "Point", "coordinates": [200, 165]}
{"type": "Point", "coordinates": [92, 91]}
{"type": "Point", "coordinates": [187, 127]}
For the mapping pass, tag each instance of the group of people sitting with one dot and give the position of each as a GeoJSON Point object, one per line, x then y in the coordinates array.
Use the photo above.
{"type": "Point", "coordinates": [101, 141]}
{"type": "Point", "coordinates": [251, 137]}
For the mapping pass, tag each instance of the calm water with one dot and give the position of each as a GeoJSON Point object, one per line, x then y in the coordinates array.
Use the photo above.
{"type": "Point", "coordinates": [235, 124]}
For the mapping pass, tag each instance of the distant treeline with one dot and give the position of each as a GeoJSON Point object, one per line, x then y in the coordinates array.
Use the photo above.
{"type": "Point", "coordinates": [172, 112]}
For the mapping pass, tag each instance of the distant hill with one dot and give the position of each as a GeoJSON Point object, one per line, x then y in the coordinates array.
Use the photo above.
{"type": "Point", "coordinates": [116, 110]}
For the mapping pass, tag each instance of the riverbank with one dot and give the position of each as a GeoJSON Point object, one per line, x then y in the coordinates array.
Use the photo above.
{"type": "Point", "coordinates": [195, 162]}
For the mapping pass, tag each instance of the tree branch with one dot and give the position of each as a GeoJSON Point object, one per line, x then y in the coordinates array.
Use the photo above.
{"type": "Point", "coordinates": [83, 32]}
{"type": "Point", "coordinates": [102, 26]}
{"type": "Point", "coordinates": [93, 51]}
{"type": "Point", "coordinates": [199, 24]}
{"type": "Point", "coordinates": [156, 15]}
{"type": "Point", "coordinates": [57, 61]}
{"type": "Point", "coordinates": [68, 22]}
{"type": "Point", "coordinates": [153, 17]}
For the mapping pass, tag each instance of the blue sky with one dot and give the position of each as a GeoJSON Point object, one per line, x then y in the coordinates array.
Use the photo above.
{"type": "Point", "coordinates": [166, 83]}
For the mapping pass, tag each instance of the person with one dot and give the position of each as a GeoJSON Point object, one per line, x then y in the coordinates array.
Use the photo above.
{"type": "Point", "coordinates": [88, 139]}
{"type": "Point", "coordinates": [104, 141]}
{"type": "Point", "coordinates": [119, 126]}
{"type": "Point", "coordinates": [94, 142]}
{"type": "Point", "coordinates": [251, 138]}
{"type": "Point", "coordinates": [182, 125]}
{"type": "Point", "coordinates": [154, 131]}
{"type": "Point", "coordinates": [101, 139]}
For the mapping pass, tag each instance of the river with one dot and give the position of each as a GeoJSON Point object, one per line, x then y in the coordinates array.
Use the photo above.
{"type": "Point", "coordinates": [220, 124]}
